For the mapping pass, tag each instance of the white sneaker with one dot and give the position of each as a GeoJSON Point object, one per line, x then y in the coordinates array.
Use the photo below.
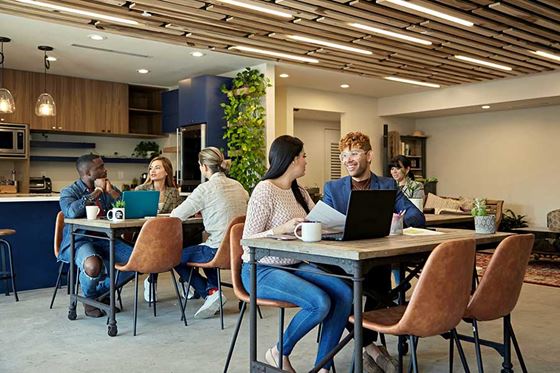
{"type": "Point", "coordinates": [147, 297]}
{"type": "Point", "coordinates": [211, 306]}
{"type": "Point", "coordinates": [191, 293]}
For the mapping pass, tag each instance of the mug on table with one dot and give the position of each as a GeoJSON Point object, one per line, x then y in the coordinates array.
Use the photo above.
{"type": "Point", "coordinates": [91, 212]}
{"type": "Point", "coordinates": [310, 231]}
{"type": "Point", "coordinates": [116, 214]}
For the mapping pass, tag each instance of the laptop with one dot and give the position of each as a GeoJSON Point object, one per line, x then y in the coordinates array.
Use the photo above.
{"type": "Point", "coordinates": [368, 215]}
{"type": "Point", "coordinates": [140, 203]}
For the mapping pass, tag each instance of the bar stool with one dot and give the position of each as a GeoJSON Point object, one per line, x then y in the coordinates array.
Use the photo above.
{"type": "Point", "coordinates": [5, 274]}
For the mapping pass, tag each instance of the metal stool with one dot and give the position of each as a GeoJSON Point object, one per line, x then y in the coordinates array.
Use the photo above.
{"type": "Point", "coordinates": [5, 274]}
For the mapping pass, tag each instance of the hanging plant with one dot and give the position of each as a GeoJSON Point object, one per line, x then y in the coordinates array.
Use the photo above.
{"type": "Point", "coordinates": [245, 130]}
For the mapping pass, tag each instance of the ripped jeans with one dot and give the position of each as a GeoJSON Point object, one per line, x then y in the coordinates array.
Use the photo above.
{"type": "Point", "coordinates": [93, 287]}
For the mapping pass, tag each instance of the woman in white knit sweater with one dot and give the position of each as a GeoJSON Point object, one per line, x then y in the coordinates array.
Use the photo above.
{"type": "Point", "coordinates": [276, 206]}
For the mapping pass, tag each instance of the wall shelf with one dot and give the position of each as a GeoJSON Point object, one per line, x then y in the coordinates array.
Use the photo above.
{"type": "Point", "coordinates": [49, 158]}
{"type": "Point", "coordinates": [147, 111]}
{"type": "Point", "coordinates": [62, 144]}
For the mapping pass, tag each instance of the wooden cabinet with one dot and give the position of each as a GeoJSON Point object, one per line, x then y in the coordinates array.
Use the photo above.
{"type": "Point", "coordinates": [144, 109]}
{"type": "Point", "coordinates": [413, 147]}
{"type": "Point", "coordinates": [82, 105]}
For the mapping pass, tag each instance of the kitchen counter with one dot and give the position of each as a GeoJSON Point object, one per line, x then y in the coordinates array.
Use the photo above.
{"type": "Point", "coordinates": [29, 197]}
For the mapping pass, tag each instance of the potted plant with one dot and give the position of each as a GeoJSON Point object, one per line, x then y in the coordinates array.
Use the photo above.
{"type": "Point", "coordinates": [430, 185]}
{"type": "Point", "coordinates": [409, 190]}
{"type": "Point", "coordinates": [483, 223]}
{"type": "Point", "coordinates": [146, 149]}
{"type": "Point", "coordinates": [245, 130]}
{"type": "Point", "coordinates": [511, 220]}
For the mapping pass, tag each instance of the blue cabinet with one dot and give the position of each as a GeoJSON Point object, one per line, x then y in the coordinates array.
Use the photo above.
{"type": "Point", "coordinates": [197, 100]}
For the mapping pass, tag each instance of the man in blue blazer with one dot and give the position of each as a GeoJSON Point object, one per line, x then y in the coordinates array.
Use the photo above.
{"type": "Point", "coordinates": [356, 156]}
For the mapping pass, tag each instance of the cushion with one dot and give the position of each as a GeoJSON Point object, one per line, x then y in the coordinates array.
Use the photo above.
{"type": "Point", "coordinates": [466, 203]}
{"type": "Point", "coordinates": [439, 204]}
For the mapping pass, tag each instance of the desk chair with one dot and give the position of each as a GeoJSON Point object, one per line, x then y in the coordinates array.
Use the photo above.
{"type": "Point", "coordinates": [220, 261]}
{"type": "Point", "coordinates": [62, 270]}
{"type": "Point", "coordinates": [157, 249]}
{"type": "Point", "coordinates": [497, 294]}
{"type": "Point", "coordinates": [438, 302]}
{"type": "Point", "coordinates": [4, 273]}
{"type": "Point", "coordinates": [239, 290]}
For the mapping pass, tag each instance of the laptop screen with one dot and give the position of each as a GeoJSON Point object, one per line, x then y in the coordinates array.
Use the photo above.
{"type": "Point", "coordinates": [140, 203]}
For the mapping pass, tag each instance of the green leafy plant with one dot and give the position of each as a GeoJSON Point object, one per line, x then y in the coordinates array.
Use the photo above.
{"type": "Point", "coordinates": [411, 187]}
{"type": "Point", "coordinates": [118, 204]}
{"type": "Point", "coordinates": [245, 130]}
{"type": "Point", "coordinates": [479, 207]}
{"type": "Point", "coordinates": [431, 180]}
{"type": "Point", "coordinates": [144, 147]}
{"type": "Point", "coordinates": [511, 220]}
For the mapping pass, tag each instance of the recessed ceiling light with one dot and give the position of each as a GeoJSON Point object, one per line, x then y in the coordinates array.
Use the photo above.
{"type": "Point", "coordinates": [344, 86]}
{"type": "Point", "coordinates": [142, 71]}
{"type": "Point", "coordinates": [284, 75]}
{"type": "Point", "coordinates": [328, 44]}
{"type": "Point", "coordinates": [484, 63]}
{"type": "Point", "coordinates": [390, 33]}
{"type": "Point", "coordinates": [485, 106]}
{"type": "Point", "coordinates": [197, 54]}
{"type": "Point", "coordinates": [146, 14]}
{"type": "Point", "coordinates": [51, 58]}
{"type": "Point", "coordinates": [435, 13]}
{"type": "Point", "coordinates": [547, 55]}
{"type": "Point", "coordinates": [275, 54]}
{"type": "Point", "coordinates": [66, 9]}
{"type": "Point", "coordinates": [257, 8]}
{"type": "Point", "coordinates": [410, 81]}
{"type": "Point", "coordinates": [96, 37]}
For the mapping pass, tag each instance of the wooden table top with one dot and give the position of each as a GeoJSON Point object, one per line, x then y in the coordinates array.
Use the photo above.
{"type": "Point", "coordinates": [127, 223]}
{"type": "Point", "coordinates": [374, 248]}
{"type": "Point", "coordinates": [439, 219]}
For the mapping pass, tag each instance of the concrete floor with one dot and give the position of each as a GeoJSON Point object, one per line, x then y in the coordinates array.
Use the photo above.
{"type": "Point", "coordinates": [36, 339]}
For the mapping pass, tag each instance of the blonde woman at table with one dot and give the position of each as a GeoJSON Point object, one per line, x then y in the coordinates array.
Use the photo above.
{"type": "Point", "coordinates": [219, 200]}
{"type": "Point", "coordinates": [276, 206]}
{"type": "Point", "coordinates": [160, 178]}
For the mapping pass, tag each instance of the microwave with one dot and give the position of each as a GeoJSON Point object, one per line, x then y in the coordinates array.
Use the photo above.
{"type": "Point", "coordinates": [14, 141]}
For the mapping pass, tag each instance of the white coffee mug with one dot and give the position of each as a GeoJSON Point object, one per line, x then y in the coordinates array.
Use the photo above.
{"type": "Point", "coordinates": [116, 214]}
{"type": "Point", "coordinates": [160, 206]}
{"type": "Point", "coordinates": [91, 212]}
{"type": "Point", "coordinates": [310, 231]}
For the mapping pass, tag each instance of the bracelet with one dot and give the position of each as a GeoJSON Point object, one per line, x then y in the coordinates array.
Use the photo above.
{"type": "Point", "coordinates": [101, 189]}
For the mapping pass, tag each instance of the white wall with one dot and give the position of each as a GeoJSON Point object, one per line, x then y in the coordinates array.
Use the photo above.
{"type": "Point", "coordinates": [510, 155]}
{"type": "Point", "coordinates": [64, 173]}
{"type": "Point", "coordinates": [312, 133]}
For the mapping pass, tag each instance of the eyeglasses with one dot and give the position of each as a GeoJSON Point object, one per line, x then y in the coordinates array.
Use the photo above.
{"type": "Point", "coordinates": [351, 154]}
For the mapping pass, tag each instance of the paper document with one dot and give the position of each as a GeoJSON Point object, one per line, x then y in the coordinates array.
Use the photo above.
{"type": "Point", "coordinates": [326, 215]}
{"type": "Point", "coordinates": [410, 231]}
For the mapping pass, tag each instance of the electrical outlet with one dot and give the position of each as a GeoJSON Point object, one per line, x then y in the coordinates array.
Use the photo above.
{"type": "Point", "coordinates": [120, 175]}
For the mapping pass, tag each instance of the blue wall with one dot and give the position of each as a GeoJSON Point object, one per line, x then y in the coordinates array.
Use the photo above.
{"type": "Point", "coordinates": [32, 245]}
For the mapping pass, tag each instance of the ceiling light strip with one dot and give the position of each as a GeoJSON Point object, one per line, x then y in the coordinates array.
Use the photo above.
{"type": "Point", "coordinates": [257, 8]}
{"type": "Point", "coordinates": [435, 13]}
{"type": "Point", "coordinates": [390, 33]}
{"type": "Point", "coordinates": [410, 81]}
{"type": "Point", "coordinates": [484, 63]}
{"type": "Point", "coordinates": [79, 11]}
{"type": "Point", "coordinates": [329, 44]}
{"type": "Point", "coordinates": [547, 55]}
{"type": "Point", "coordinates": [275, 54]}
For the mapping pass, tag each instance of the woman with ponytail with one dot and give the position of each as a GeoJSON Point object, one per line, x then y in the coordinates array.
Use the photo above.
{"type": "Point", "coordinates": [276, 206]}
{"type": "Point", "coordinates": [218, 200]}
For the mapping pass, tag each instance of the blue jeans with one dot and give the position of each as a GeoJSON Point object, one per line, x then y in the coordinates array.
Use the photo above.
{"type": "Point", "coordinates": [322, 299]}
{"type": "Point", "coordinates": [198, 254]}
{"type": "Point", "coordinates": [93, 287]}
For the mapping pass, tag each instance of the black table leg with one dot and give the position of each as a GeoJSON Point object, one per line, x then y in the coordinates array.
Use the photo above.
{"type": "Point", "coordinates": [253, 309]}
{"type": "Point", "coordinates": [358, 336]}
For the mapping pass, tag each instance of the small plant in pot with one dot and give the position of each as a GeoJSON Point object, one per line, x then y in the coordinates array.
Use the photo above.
{"type": "Point", "coordinates": [483, 223]}
{"type": "Point", "coordinates": [409, 190]}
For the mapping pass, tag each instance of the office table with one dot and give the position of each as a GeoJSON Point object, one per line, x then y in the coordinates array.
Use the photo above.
{"type": "Point", "coordinates": [111, 231]}
{"type": "Point", "coordinates": [355, 258]}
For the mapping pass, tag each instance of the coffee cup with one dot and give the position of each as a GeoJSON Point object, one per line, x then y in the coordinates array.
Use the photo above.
{"type": "Point", "coordinates": [116, 214]}
{"type": "Point", "coordinates": [91, 212]}
{"type": "Point", "coordinates": [310, 231]}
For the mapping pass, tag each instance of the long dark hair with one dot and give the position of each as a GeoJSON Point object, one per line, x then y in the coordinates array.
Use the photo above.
{"type": "Point", "coordinates": [282, 152]}
{"type": "Point", "coordinates": [401, 161]}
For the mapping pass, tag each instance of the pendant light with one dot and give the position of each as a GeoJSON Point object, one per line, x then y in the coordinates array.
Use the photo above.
{"type": "Point", "coordinates": [45, 106]}
{"type": "Point", "coordinates": [7, 104]}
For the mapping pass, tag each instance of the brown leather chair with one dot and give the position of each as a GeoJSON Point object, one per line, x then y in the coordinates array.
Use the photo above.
{"type": "Point", "coordinates": [236, 252]}
{"type": "Point", "coordinates": [497, 294]}
{"type": "Point", "coordinates": [220, 261]}
{"type": "Point", "coordinates": [438, 302]}
{"type": "Point", "coordinates": [4, 273]}
{"type": "Point", "coordinates": [58, 232]}
{"type": "Point", "coordinates": [157, 249]}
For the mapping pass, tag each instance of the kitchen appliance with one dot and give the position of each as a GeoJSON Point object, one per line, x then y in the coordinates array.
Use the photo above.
{"type": "Point", "coordinates": [40, 185]}
{"type": "Point", "coordinates": [190, 141]}
{"type": "Point", "coordinates": [14, 141]}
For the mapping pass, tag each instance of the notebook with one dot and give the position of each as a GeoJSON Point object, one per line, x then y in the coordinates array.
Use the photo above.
{"type": "Point", "coordinates": [140, 203]}
{"type": "Point", "coordinates": [368, 215]}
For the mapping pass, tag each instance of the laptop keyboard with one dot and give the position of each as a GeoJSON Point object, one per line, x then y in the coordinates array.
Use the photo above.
{"type": "Point", "coordinates": [333, 236]}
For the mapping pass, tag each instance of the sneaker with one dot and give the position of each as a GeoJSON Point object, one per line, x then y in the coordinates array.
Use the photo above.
{"type": "Point", "coordinates": [147, 297]}
{"type": "Point", "coordinates": [369, 365]}
{"type": "Point", "coordinates": [92, 311]}
{"type": "Point", "coordinates": [386, 362]}
{"type": "Point", "coordinates": [211, 306]}
{"type": "Point", "coordinates": [192, 294]}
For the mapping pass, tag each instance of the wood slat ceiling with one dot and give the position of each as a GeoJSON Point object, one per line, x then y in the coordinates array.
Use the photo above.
{"type": "Point", "coordinates": [504, 32]}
